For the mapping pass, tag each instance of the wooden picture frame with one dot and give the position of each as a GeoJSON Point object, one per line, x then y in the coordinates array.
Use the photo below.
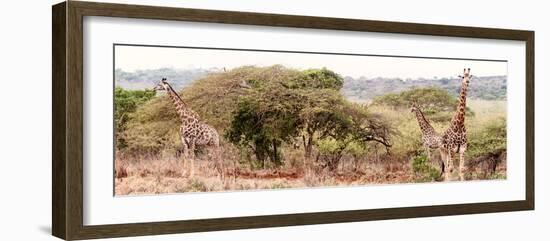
{"type": "Point", "coordinates": [67, 123]}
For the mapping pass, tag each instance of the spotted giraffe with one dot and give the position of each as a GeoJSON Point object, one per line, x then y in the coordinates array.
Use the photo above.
{"type": "Point", "coordinates": [193, 132]}
{"type": "Point", "coordinates": [430, 138]}
{"type": "Point", "coordinates": [454, 139]}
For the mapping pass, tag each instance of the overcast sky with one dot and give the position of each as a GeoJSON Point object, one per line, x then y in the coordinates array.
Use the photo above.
{"type": "Point", "coordinates": [131, 58]}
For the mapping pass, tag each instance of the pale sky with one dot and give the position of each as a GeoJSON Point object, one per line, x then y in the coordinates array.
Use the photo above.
{"type": "Point", "coordinates": [131, 58]}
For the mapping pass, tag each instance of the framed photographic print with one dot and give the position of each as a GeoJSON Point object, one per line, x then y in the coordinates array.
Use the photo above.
{"type": "Point", "coordinates": [171, 120]}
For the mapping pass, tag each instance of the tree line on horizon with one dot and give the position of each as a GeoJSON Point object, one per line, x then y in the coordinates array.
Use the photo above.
{"type": "Point", "coordinates": [356, 89]}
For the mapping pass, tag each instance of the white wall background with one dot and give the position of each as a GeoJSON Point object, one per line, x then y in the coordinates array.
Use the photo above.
{"type": "Point", "coordinates": [25, 121]}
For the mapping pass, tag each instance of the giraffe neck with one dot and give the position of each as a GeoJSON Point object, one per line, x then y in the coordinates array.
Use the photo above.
{"type": "Point", "coordinates": [461, 109]}
{"type": "Point", "coordinates": [185, 114]}
{"type": "Point", "coordinates": [424, 124]}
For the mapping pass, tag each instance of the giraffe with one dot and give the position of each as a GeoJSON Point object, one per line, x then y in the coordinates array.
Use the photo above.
{"type": "Point", "coordinates": [193, 132]}
{"type": "Point", "coordinates": [430, 138]}
{"type": "Point", "coordinates": [454, 139]}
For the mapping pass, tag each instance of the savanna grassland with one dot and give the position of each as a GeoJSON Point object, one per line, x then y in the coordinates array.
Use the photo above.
{"type": "Point", "coordinates": [287, 128]}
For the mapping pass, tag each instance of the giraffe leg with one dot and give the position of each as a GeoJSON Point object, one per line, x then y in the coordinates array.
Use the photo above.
{"type": "Point", "coordinates": [220, 162]}
{"type": "Point", "coordinates": [442, 166]}
{"type": "Point", "coordinates": [444, 160]}
{"type": "Point", "coordinates": [214, 152]}
{"type": "Point", "coordinates": [449, 166]}
{"type": "Point", "coordinates": [184, 154]}
{"type": "Point", "coordinates": [461, 168]}
{"type": "Point", "coordinates": [192, 158]}
{"type": "Point", "coordinates": [428, 153]}
{"type": "Point", "coordinates": [441, 161]}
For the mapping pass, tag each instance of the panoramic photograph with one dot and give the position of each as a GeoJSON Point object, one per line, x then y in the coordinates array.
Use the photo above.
{"type": "Point", "coordinates": [190, 119]}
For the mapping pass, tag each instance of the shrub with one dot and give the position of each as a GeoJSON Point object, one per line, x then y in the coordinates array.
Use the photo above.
{"type": "Point", "coordinates": [423, 171]}
{"type": "Point", "coordinates": [126, 103]}
{"type": "Point", "coordinates": [489, 139]}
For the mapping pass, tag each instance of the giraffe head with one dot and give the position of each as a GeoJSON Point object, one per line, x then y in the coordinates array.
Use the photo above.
{"type": "Point", "coordinates": [466, 76]}
{"type": "Point", "coordinates": [162, 85]}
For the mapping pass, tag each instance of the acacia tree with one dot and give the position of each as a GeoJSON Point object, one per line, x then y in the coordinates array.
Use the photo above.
{"type": "Point", "coordinates": [277, 110]}
{"type": "Point", "coordinates": [264, 119]}
{"type": "Point", "coordinates": [320, 116]}
{"type": "Point", "coordinates": [355, 127]}
{"type": "Point", "coordinates": [307, 104]}
{"type": "Point", "coordinates": [367, 126]}
{"type": "Point", "coordinates": [322, 101]}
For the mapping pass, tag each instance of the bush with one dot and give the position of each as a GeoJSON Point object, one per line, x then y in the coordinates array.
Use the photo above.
{"type": "Point", "coordinates": [332, 150]}
{"type": "Point", "coordinates": [317, 79]}
{"type": "Point", "coordinates": [489, 139]}
{"type": "Point", "coordinates": [423, 171]}
{"type": "Point", "coordinates": [126, 103]}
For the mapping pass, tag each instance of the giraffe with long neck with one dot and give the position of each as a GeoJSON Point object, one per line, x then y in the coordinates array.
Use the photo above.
{"type": "Point", "coordinates": [454, 138]}
{"type": "Point", "coordinates": [193, 132]}
{"type": "Point", "coordinates": [430, 138]}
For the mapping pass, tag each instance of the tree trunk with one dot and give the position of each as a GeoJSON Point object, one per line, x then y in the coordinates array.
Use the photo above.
{"type": "Point", "coordinates": [274, 151]}
{"type": "Point", "coordinates": [274, 156]}
{"type": "Point", "coordinates": [259, 152]}
{"type": "Point", "coordinates": [308, 145]}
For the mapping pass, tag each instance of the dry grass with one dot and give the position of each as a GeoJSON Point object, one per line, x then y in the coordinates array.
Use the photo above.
{"type": "Point", "coordinates": [155, 176]}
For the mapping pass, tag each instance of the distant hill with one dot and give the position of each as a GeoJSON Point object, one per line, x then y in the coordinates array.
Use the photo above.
{"type": "Point", "coordinates": [365, 89]}
{"type": "Point", "coordinates": [147, 79]}
{"type": "Point", "coordinates": [356, 89]}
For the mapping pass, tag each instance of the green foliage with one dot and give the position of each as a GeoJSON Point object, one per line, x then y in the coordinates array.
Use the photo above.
{"type": "Point", "coordinates": [262, 121]}
{"type": "Point", "coordinates": [334, 148]}
{"type": "Point", "coordinates": [331, 151]}
{"type": "Point", "coordinates": [152, 128]}
{"type": "Point", "coordinates": [317, 79]}
{"type": "Point", "coordinates": [356, 149]}
{"type": "Point", "coordinates": [350, 134]}
{"type": "Point", "coordinates": [275, 111]}
{"type": "Point", "coordinates": [432, 99]}
{"type": "Point", "coordinates": [497, 175]}
{"type": "Point", "coordinates": [330, 146]}
{"type": "Point", "coordinates": [126, 103]}
{"type": "Point", "coordinates": [424, 172]}
{"type": "Point", "coordinates": [217, 96]}
{"type": "Point", "coordinates": [489, 139]}
{"type": "Point", "coordinates": [322, 115]}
